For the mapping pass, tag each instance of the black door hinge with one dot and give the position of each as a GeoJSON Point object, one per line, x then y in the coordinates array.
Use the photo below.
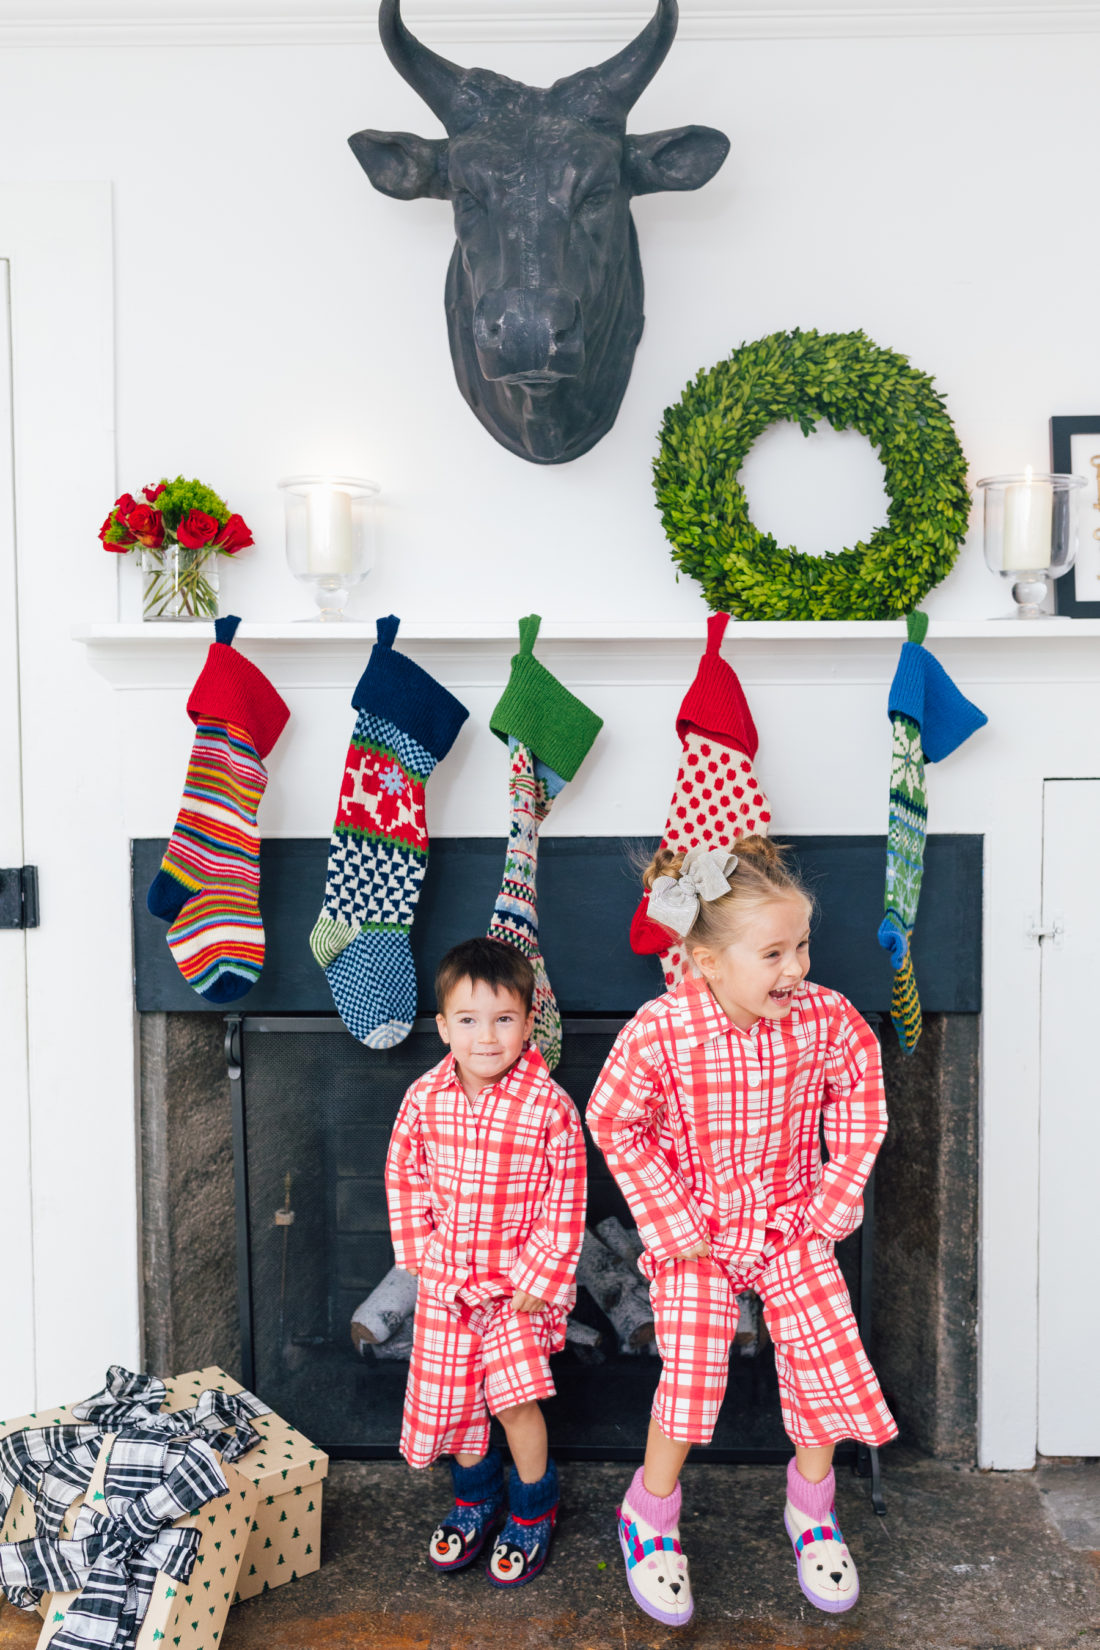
{"type": "Point", "coordinates": [19, 897]}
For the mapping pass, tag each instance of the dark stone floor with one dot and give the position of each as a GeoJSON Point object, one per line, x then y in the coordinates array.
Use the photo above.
{"type": "Point", "coordinates": [964, 1560]}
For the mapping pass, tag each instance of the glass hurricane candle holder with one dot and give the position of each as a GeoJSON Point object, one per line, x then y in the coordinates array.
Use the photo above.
{"type": "Point", "coordinates": [328, 536]}
{"type": "Point", "coordinates": [1029, 533]}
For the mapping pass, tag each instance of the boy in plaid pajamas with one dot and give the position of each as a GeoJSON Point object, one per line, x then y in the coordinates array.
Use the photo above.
{"type": "Point", "coordinates": [708, 1111]}
{"type": "Point", "coordinates": [485, 1179]}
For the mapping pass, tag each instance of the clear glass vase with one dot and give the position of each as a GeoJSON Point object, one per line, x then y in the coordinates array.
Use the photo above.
{"type": "Point", "coordinates": [179, 583]}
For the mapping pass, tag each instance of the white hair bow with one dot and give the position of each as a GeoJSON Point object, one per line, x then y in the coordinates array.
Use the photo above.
{"type": "Point", "coordinates": [704, 875]}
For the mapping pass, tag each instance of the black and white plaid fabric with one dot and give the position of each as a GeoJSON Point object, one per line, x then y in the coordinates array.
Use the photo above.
{"type": "Point", "coordinates": [162, 1467]}
{"type": "Point", "coordinates": [114, 1556]}
{"type": "Point", "coordinates": [53, 1465]}
{"type": "Point", "coordinates": [131, 1403]}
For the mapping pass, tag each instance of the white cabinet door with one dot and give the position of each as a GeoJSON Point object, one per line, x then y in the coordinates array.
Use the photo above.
{"type": "Point", "coordinates": [1069, 1122]}
{"type": "Point", "coordinates": [17, 1360]}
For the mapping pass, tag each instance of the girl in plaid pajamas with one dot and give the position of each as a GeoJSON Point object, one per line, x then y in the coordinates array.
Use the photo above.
{"type": "Point", "coordinates": [485, 1179]}
{"type": "Point", "coordinates": [708, 1113]}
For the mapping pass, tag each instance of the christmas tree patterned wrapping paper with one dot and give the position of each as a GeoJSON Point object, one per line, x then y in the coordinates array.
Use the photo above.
{"type": "Point", "coordinates": [183, 1615]}
{"type": "Point", "coordinates": [287, 1471]}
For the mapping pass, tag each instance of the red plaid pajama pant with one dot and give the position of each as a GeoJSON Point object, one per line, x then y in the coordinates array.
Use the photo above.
{"type": "Point", "coordinates": [827, 1388]}
{"type": "Point", "coordinates": [470, 1362]}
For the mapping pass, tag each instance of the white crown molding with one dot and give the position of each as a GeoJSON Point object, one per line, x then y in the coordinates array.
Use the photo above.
{"type": "Point", "coordinates": [353, 22]}
{"type": "Point", "coordinates": [627, 653]}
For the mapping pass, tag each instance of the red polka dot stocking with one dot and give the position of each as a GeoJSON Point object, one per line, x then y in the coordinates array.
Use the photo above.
{"type": "Point", "coordinates": [718, 796]}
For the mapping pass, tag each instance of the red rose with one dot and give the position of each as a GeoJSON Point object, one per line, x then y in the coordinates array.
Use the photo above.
{"type": "Point", "coordinates": [234, 536]}
{"type": "Point", "coordinates": [147, 526]}
{"type": "Point", "coordinates": [124, 505]}
{"type": "Point", "coordinates": [120, 539]}
{"type": "Point", "coordinates": [153, 493]}
{"type": "Point", "coordinates": [197, 529]}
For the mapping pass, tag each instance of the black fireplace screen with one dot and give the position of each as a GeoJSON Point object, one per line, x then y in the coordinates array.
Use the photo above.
{"type": "Point", "coordinates": [313, 1111]}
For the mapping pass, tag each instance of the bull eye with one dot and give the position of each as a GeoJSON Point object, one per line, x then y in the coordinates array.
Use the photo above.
{"type": "Point", "coordinates": [597, 200]}
{"type": "Point", "coordinates": [464, 201]}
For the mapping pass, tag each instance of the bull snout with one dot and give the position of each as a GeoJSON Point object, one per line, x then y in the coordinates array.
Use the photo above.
{"type": "Point", "coordinates": [529, 334]}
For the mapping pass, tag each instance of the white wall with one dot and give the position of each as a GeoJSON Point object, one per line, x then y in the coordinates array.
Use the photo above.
{"type": "Point", "coordinates": [274, 314]}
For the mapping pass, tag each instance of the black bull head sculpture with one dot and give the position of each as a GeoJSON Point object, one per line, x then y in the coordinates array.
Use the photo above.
{"type": "Point", "coordinates": [544, 290]}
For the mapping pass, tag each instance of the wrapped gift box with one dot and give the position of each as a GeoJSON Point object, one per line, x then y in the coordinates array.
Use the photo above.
{"type": "Point", "coordinates": [288, 1472]}
{"type": "Point", "coordinates": [18, 1523]}
{"type": "Point", "coordinates": [191, 1615]}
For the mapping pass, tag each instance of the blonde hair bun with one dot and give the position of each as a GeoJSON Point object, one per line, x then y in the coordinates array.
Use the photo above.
{"type": "Point", "coordinates": [761, 876]}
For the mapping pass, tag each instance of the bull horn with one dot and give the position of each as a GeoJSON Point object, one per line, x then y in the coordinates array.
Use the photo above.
{"type": "Point", "coordinates": [438, 81]}
{"type": "Point", "coordinates": [626, 75]}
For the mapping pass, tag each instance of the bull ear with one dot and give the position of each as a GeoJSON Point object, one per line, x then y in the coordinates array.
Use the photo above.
{"type": "Point", "coordinates": [401, 164]}
{"type": "Point", "coordinates": [685, 158]}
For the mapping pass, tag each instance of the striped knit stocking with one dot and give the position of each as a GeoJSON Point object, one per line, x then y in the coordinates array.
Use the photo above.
{"type": "Point", "coordinates": [208, 884]}
{"type": "Point", "coordinates": [406, 723]}
{"type": "Point", "coordinates": [532, 787]}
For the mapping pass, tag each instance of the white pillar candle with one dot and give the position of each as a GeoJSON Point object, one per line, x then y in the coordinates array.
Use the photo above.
{"type": "Point", "coordinates": [329, 550]}
{"type": "Point", "coordinates": [1029, 510]}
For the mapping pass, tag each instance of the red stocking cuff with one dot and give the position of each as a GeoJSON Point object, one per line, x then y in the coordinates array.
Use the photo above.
{"type": "Point", "coordinates": [230, 688]}
{"type": "Point", "coordinates": [715, 703]}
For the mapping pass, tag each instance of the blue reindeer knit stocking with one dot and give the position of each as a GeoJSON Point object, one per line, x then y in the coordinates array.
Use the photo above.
{"type": "Point", "coordinates": [930, 718]}
{"type": "Point", "coordinates": [406, 723]}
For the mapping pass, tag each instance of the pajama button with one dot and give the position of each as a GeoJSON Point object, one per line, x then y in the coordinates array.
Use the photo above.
{"type": "Point", "coordinates": [752, 1128]}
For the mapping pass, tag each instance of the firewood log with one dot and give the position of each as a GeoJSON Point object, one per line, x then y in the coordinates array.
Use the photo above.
{"type": "Point", "coordinates": [398, 1346]}
{"type": "Point", "coordinates": [624, 1241]}
{"type": "Point", "coordinates": [384, 1310]}
{"type": "Point", "coordinates": [621, 1296]}
{"type": "Point", "coordinates": [581, 1334]}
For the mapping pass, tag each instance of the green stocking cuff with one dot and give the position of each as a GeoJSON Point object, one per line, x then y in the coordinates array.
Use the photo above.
{"type": "Point", "coordinates": [538, 711]}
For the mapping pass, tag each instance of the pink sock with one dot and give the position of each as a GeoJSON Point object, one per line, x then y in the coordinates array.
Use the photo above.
{"type": "Point", "coordinates": [813, 1500]}
{"type": "Point", "coordinates": [662, 1511]}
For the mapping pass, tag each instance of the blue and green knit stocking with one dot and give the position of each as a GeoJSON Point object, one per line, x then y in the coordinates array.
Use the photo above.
{"type": "Point", "coordinates": [930, 719]}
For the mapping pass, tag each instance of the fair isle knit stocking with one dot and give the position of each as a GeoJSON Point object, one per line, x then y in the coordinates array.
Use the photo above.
{"type": "Point", "coordinates": [208, 884]}
{"type": "Point", "coordinates": [549, 733]}
{"type": "Point", "coordinates": [532, 787]}
{"type": "Point", "coordinates": [717, 796]}
{"type": "Point", "coordinates": [930, 718]}
{"type": "Point", "coordinates": [378, 854]}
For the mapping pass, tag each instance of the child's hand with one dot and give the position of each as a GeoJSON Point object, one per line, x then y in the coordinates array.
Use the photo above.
{"type": "Point", "coordinates": [701, 1251]}
{"type": "Point", "coordinates": [523, 1302]}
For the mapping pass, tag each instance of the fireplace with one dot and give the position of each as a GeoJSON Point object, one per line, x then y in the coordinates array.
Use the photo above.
{"type": "Point", "coordinates": [312, 1109]}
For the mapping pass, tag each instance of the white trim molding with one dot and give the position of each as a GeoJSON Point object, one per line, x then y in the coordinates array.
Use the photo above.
{"type": "Point", "coordinates": [353, 22]}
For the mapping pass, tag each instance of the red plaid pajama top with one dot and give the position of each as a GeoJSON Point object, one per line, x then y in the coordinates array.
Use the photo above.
{"type": "Point", "coordinates": [713, 1133]}
{"type": "Point", "coordinates": [487, 1195]}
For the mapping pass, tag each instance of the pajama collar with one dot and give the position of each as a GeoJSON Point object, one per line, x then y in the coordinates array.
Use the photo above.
{"type": "Point", "coordinates": [525, 1079]}
{"type": "Point", "coordinates": [703, 1020]}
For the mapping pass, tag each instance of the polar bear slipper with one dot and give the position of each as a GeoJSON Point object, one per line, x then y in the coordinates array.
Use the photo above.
{"type": "Point", "coordinates": [826, 1569]}
{"type": "Point", "coordinates": [656, 1569]}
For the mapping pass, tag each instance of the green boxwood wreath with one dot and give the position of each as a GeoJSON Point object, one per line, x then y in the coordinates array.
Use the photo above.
{"type": "Point", "coordinates": [804, 376]}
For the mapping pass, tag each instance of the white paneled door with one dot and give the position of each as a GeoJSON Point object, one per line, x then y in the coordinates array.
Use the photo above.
{"type": "Point", "coordinates": [17, 1351]}
{"type": "Point", "coordinates": [1069, 1121]}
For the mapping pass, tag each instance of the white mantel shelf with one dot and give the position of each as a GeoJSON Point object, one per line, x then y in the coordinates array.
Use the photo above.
{"type": "Point", "coordinates": [138, 656]}
{"type": "Point", "coordinates": [127, 636]}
